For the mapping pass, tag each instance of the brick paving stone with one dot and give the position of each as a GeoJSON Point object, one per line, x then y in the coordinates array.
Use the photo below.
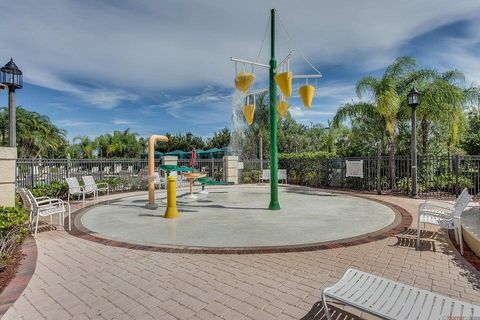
{"type": "Point", "coordinates": [80, 279]}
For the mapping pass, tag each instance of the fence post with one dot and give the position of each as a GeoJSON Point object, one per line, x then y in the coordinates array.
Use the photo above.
{"type": "Point", "coordinates": [379, 167]}
{"type": "Point", "coordinates": [32, 173]}
{"type": "Point", "coordinates": [456, 164]}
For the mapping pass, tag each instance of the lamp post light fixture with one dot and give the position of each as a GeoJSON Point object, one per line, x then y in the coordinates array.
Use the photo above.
{"type": "Point", "coordinates": [413, 102]}
{"type": "Point", "coordinates": [12, 78]}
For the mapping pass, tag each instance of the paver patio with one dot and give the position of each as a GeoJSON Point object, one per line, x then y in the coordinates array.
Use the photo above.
{"type": "Point", "coordinates": [80, 279]}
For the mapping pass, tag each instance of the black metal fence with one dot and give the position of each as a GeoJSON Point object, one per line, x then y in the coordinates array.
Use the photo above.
{"type": "Point", "coordinates": [438, 176]}
{"type": "Point", "coordinates": [123, 174]}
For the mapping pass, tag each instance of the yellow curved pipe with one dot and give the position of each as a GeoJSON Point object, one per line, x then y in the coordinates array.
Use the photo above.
{"type": "Point", "coordinates": [151, 168]}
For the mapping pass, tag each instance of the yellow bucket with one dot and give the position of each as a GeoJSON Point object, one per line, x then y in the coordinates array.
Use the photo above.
{"type": "Point", "coordinates": [282, 108]}
{"type": "Point", "coordinates": [248, 113]}
{"type": "Point", "coordinates": [284, 82]}
{"type": "Point", "coordinates": [244, 80]}
{"type": "Point", "coordinates": [307, 92]}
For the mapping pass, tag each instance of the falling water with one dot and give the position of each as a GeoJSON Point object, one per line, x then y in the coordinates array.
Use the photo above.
{"type": "Point", "coordinates": [238, 123]}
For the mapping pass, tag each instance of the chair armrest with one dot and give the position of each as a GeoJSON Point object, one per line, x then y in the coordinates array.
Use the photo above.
{"type": "Point", "coordinates": [41, 198]}
{"type": "Point", "coordinates": [50, 201]}
{"type": "Point", "coordinates": [438, 203]}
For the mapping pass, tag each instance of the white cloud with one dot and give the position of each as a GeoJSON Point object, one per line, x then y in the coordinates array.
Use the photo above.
{"type": "Point", "coordinates": [130, 49]}
{"type": "Point", "coordinates": [76, 123]}
{"type": "Point", "coordinates": [120, 122]}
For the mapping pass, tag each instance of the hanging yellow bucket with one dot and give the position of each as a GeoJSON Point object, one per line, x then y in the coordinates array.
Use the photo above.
{"type": "Point", "coordinates": [282, 108]}
{"type": "Point", "coordinates": [244, 80]}
{"type": "Point", "coordinates": [248, 113]}
{"type": "Point", "coordinates": [307, 92]}
{"type": "Point", "coordinates": [284, 81]}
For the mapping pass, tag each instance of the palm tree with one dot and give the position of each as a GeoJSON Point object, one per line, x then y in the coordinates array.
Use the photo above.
{"type": "Point", "coordinates": [387, 100]}
{"type": "Point", "coordinates": [86, 146]}
{"type": "Point", "coordinates": [37, 136]}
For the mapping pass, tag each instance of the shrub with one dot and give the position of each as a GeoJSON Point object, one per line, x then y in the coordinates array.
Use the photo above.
{"type": "Point", "coordinates": [250, 176]}
{"type": "Point", "coordinates": [305, 155]}
{"type": "Point", "coordinates": [13, 232]}
{"type": "Point", "coordinates": [53, 190]}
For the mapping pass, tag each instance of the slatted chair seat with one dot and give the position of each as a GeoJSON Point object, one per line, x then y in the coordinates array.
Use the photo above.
{"type": "Point", "coordinates": [389, 299]}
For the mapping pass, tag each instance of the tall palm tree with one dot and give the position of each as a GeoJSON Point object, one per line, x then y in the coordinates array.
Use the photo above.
{"type": "Point", "coordinates": [86, 146]}
{"type": "Point", "coordinates": [387, 100]}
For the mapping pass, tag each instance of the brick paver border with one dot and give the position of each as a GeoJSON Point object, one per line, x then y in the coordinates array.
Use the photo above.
{"type": "Point", "coordinates": [402, 221]}
{"type": "Point", "coordinates": [468, 254]}
{"type": "Point", "coordinates": [22, 277]}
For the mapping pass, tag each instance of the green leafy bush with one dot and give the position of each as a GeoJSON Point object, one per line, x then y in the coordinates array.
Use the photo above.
{"type": "Point", "coordinates": [13, 232]}
{"type": "Point", "coordinates": [305, 155]}
{"type": "Point", "coordinates": [250, 176]}
{"type": "Point", "coordinates": [53, 190]}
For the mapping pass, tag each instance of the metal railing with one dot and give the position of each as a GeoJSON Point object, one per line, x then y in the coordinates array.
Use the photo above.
{"type": "Point", "coordinates": [438, 176]}
{"type": "Point", "coordinates": [122, 174]}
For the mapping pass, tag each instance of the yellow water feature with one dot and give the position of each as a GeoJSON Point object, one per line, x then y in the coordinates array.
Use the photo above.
{"type": "Point", "coordinates": [282, 108]}
{"type": "Point", "coordinates": [151, 169]}
{"type": "Point", "coordinates": [171, 212]}
{"type": "Point", "coordinates": [249, 112]}
{"type": "Point", "coordinates": [307, 92]}
{"type": "Point", "coordinates": [284, 82]}
{"type": "Point", "coordinates": [244, 80]}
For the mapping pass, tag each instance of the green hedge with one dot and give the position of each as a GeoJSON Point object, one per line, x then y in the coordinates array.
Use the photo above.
{"type": "Point", "coordinates": [305, 155]}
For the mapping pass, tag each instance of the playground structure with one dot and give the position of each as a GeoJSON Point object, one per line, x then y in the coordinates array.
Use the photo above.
{"type": "Point", "coordinates": [151, 169]}
{"type": "Point", "coordinates": [278, 105]}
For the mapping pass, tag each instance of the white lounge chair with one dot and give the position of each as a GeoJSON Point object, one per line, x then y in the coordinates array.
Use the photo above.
{"type": "Point", "coordinates": [265, 175]}
{"type": "Point", "coordinates": [282, 175]}
{"type": "Point", "coordinates": [44, 207]}
{"type": "Point", "coordinates": [75, 189]}
{"type": "Point", "coordinates": [91, 185]}
{"type": "Point", "coordinates": [389, 299]}
{"type": "Point", "coordinates": [444, 214]}
{"type": "Point", "coordinates": [106, 170]}
{"type": "Point", "coordinates": [160, 181]}
{"type": "Point", "coordinates": [118, 168]}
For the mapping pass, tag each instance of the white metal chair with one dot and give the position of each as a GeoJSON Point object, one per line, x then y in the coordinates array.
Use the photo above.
{"type": "Point", "coordinates": [445, 215]}
{"type": "Point", "coordinates": [265, 175]}
{"type": "Point", "coordinates": [160, 181]}
{"type": "Point", "coordinates": [106, 170]}
{"type": "Point", "coordinates": [75, 189]}
{"type": "Point", "coordinates": [91, 185]}
{"type": "Point", "coordinates": [45, 207]}
{"type": "Point", "coordinates": [282, 175]}
{"type": "Point", "coordinates": [389, 299]}
{"type": "Point", "coordinates": [118, 168]}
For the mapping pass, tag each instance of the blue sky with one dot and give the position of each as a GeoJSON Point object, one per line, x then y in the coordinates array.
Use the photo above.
{"type": "Point", "coordinates": [163, 66]}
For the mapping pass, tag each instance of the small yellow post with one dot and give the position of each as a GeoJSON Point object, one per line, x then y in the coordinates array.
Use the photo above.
{"type": "Point", "coordinates": [171, 212]}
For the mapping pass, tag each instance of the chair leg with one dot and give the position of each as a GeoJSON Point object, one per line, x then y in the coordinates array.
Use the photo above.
{"type": "Point", "coordinates": [325, 307]}
{"type": "Point", "coordinates": [418, 232]}
{"type": "Point", "coordinates": [460, 238]}
{"type": "Point", "coordinates": [455, 231]}
{"type": "Point", "coordinates": [36, 228]}
{"type": "Point", "coordinates": [69, 220]}
{"type": "Point", "coordinates": [83, 201]}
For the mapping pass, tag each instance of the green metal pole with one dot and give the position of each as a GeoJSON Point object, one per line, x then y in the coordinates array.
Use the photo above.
{"type": "Point", "coordinates": [274, 205]}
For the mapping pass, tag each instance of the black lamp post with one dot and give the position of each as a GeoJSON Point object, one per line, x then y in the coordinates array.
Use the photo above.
{"type": "Point", "coordinates": [413, 101]}
{"type": "Point", "coordinates": [12, 78]}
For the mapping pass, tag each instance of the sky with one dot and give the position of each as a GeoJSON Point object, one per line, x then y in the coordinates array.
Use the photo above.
{"type": "Point", "coordinates": [158, 66]}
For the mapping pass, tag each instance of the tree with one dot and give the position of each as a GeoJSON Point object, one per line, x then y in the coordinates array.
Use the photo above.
{"type": "Point", "coordinates": [37, 136]}
{"type": "Point", "coordinates": [470, 141]}
{"type": "Point", "coordinates": [386, 98]}
{"type": "Point", "coordinates": [220, 139]}
{"type": "Point", "coordinates": [85, 147]}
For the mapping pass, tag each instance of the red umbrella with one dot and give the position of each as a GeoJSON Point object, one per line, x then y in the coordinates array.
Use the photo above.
{"type": "Point", "coordinates": [193, 158]}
